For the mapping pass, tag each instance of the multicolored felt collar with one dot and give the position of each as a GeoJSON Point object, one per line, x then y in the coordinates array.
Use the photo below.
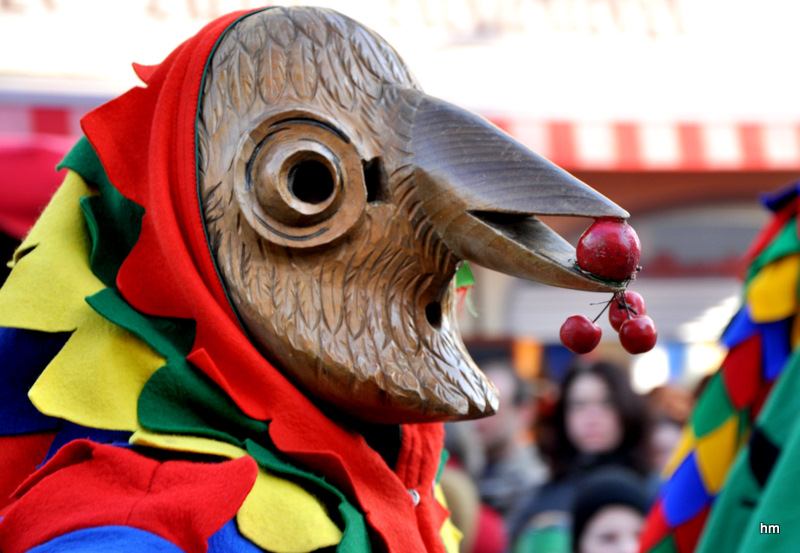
{"type": "Point", "coordinates": [155, 348]}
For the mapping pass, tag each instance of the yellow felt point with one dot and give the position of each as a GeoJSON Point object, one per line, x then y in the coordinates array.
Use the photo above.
{"type": "Point", "coordinates": [280, 516]}
{"type": "Point", "coordinates": [715, 453]}
{"type": "Point", "coordinates": [772, 294]}
{"type": "Point", "coordinates": [96, 378]}
{"type": "Point", "coordinates": [190, 444]}
{"type": "Point", "coordinates": [277, 515]}
{"type": "Point", "coordinates": [685, 446]}
{"type": "Point", "coordinates": [451, 536]}
{"type": "Point", "coordinates": [47, 286]}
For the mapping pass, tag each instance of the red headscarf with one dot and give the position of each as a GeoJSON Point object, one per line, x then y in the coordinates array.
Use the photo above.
{"type": "Point", "coordinates": [147, 144]}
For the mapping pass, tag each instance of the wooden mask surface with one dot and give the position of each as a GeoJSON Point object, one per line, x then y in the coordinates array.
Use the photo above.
{"type": "Point", "coordinates": [339, 200]}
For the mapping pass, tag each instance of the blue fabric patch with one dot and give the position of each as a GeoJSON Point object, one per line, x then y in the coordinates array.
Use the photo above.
{"type": "Point", "coordinates": [108, 539]}
{"type": "Point", "coordinates": [24, 354]}
{"type": "Point", "coordinates": [229, 540]}
{"type": "Point", "coordinates": [778, 199]}
{"type": "Point", "coordinates": [775, 347]}
{"type": "Point", "coordinates": [685, 494]}
{"type": "Point", "coordinates": [739, 329]}
{"type": "Point", "coordinates": [71, 431]}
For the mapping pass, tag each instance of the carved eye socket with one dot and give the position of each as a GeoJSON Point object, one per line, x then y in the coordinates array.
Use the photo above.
{"type": "Point", "coordinates": [299, 182]}
{"type": "Point", "coordinates": [310, 181]}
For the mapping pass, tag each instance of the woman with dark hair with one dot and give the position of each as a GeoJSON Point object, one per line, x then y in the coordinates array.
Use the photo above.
{"type": "Point", "coordinates": [599, 421]}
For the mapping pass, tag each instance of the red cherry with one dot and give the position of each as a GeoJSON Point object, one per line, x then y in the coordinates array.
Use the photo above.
{"type": "Point", "coordinates": [638, 335]}
{"type": "Point", "coordinates": [579, 334]}
{"type": "Point", "coordinates": [609, 249]}
{"type": "Point", "coordinates": [618, 314]}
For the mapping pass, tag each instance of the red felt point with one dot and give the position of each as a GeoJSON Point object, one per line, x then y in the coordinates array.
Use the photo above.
{"type": "Point", "coordinates": [741, 372]}
{"type": "Point", "coordinates": [686, 535]}
{"type": "Point", "coordinates": [88, 485]}
{"type": "Point", "coordinates": [761, 398]}
{"type": "Point", "coordinates": [19, 457]}
{"type": "Point", "coordinates": [144, 72]}
{"type": "Point", "coordinates": [655, 528]}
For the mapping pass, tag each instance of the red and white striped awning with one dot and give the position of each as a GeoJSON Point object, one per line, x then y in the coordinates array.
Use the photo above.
{"type": "Point", "coordinates": [689, 146]}
{"type": "Point", "coordinates": [608, 146]}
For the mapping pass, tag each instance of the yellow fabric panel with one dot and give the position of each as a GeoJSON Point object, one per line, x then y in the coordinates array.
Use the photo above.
{"type": "Point", "coordinates": [190, 444]}
{"type": "Point", "coordinates": [451, 536]}
{"type": "Point", "coordinates": [685, 446]}
{"type": "Point", "coordinates": [772, 294]}
{"type": "Point", "coordinates": [715, 453]}
{"type": "Point", "coordinates": [97, 377]}
{"type": "Point", "coordinates": [47, 287]}
{"type": "Point", "coordinates": [278, 515]}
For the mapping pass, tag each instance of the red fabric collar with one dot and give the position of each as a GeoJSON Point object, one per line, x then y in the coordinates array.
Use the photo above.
{"type": "Point", "coordinates": [146, 142]}
{"type": "Point", "coordinates": [88, 485]}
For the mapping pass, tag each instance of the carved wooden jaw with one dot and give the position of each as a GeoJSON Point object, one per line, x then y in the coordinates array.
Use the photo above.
{"type": "Point", "coordinates": [338, 201]}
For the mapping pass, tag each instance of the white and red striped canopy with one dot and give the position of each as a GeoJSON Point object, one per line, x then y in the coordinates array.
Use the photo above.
{"type": "Point", "coordinates": [684, 146]}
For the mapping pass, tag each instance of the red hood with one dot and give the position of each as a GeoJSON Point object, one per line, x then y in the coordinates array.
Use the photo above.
{"type": "Point", "coordinates": [145, 140]}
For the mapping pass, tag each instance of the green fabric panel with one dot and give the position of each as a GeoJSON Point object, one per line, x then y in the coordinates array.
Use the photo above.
{"type": "Point", "coordinates": [114, 221]}
{"type": "Point", "coordinates": [778, 505]}
{"type": "Point", "coordinates": [735, 509]}
{"type": "Point", "coordinates": [121, 223]}
{"type": "Point", "coordinates": [779, 415]}
{"type": "Point", "coordinates": [83, 160]}
{"type": "Point", "coordinates": [667, 545]}
{"type": "Point", "coordinates": [745, 424]}
{"type": "Point", "coordinates": [443, 458]}
{"type": "Point", "coordinates": [732, 510]}
{"type": "Point", "coordinates": [355, 538]}
{"type": "Point", "coordinates": [713, 408]}
{"type": "Point", "coordinates": [550, 539]}
{"type": "Point", "coordinates": [178, 399]}
{"type": "Point", "coordinates": [172, 338]}
{"type": "Point", "coordinates": [786, 242]}
{"type": "Point", "coordinates": [464, 276]}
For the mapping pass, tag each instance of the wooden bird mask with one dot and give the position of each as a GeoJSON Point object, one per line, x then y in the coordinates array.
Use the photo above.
{"type": "Point", "coordinates": [339, 200]}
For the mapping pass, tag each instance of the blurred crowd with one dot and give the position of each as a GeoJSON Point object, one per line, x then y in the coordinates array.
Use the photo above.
{"type": "Point", "coordinates": [567, 466]}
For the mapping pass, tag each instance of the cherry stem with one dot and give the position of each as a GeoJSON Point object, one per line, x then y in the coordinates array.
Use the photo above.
{"type": "Point", "coordinates": [604, 308]}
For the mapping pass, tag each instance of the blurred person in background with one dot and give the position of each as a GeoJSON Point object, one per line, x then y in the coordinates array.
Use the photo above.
{"type": "Point", "coordinates": [598, 421]}
{"type": "Point", "coordinates": [513, 468]}
{"type": "Point", "coordinates": [608, 513]}
{"type": "Point", "coordinates": [670, 407]}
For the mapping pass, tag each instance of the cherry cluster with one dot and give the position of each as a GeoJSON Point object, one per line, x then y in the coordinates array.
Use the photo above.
{"type": "Point", "coordinates": [627, 315]}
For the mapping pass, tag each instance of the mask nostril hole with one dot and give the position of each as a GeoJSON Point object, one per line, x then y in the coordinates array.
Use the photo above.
{"type": "Point", "coordinates": [375, 181]}
{"type": "Point", "coordinates": [433, 312]}
{"type": "Point", "coordinates": [310, 181]}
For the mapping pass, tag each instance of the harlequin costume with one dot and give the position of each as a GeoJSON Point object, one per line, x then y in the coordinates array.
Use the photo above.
{"type": "Point", "coordinates": [734, 467]}
{"type": "Point", "coordinates": [129, 383]}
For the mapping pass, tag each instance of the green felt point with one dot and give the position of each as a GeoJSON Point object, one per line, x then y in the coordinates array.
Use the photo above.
{"type": "Point", "coordinates": [713, 408]}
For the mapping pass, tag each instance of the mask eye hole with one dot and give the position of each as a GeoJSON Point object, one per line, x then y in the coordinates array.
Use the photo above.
{"type": "Point", "coordinates": [299, 181]}
{"type": "Point", "coordinates": [311, 181]}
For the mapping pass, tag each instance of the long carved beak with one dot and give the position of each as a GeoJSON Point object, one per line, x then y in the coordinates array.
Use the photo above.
{"type": "Point", "coordinates": [483, 190]}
